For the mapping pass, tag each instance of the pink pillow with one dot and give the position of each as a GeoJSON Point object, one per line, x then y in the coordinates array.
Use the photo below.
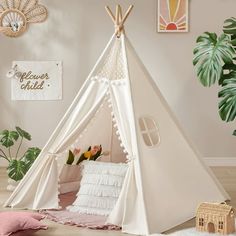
{"type": "Point", "coordinates": [11, 222]}
{"type": "Point", "coordinates": [34, 215]}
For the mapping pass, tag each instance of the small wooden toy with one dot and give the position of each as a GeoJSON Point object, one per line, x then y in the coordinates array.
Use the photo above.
{"type": "Point", "coordinates": [215, 218]}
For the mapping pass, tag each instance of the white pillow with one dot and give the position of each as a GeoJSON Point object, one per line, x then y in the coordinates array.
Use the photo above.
{"type": "Point", "coordinates": [99, 187]}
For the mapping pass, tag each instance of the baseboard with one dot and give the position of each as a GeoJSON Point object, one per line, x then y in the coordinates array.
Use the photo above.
{"type": "Point", "coordinates": [220, 161]}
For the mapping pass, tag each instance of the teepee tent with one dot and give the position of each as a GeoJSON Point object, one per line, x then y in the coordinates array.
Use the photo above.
{"type": "Point", "coordinates": [165, 180]}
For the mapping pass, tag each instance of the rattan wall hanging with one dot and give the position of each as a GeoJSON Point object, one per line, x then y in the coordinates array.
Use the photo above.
{"type": "Point", "coordinates": [15, 15]}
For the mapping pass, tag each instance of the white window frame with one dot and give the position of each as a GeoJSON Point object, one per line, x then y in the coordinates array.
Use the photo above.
{"type": "Point", "coordinates": [148, 131]}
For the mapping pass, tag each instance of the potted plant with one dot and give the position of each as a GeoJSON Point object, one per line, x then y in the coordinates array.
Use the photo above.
{"type": "Point", "coordinates": [214, 59]}
{"type": "Point", "coordinates": [18, 165]}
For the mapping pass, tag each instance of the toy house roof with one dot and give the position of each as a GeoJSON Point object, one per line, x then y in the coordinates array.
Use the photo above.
{"type": "Point", "coordinates": [214, 208]}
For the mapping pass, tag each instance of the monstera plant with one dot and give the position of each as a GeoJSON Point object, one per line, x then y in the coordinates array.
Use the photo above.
{"type": "Point", "coordinates": [215, 62]}
{"type": "Point", "coordinates": [17, 165]}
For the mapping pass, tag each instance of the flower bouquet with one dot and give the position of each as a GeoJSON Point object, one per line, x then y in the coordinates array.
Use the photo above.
{"type": "Point", "coordinates": [92, 154]}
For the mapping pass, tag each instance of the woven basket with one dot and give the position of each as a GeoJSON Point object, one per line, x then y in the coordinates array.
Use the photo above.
{"type": "Point", "coordinates": [15, 18]}
{"type": "Point", "coordinates": [8, 31]}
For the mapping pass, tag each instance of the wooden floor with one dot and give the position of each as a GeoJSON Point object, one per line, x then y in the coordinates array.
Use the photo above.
{"type": "Point", "coordinates": [226, 175]}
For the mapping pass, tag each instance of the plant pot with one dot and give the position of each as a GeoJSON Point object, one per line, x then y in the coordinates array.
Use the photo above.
{"type": "Point", "coordinates": [69, 179]}
{"type": "Point", "coordinates": [70, 173]}
{"type": "Point", "coordinates": [12, 184]}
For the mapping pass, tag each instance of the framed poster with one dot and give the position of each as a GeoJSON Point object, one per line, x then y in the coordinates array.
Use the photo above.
{"type": "Point", "coordinates": [37, 80]}
{"type": "Point", "coordinates": [172, 16]}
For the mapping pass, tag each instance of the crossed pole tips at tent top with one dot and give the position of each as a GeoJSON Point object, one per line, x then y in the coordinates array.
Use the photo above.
{"type": "Point", "coordinates": [118, 20]}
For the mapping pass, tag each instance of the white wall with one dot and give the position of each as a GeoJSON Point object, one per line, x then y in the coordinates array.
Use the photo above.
{"type": "Point", "coordinates": [76, 33]}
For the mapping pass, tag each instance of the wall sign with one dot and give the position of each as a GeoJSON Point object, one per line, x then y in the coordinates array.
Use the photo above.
{"type": "Point", "coordinates": [36, 80]}
{"type": "Point", "coordinates": [172, 16]}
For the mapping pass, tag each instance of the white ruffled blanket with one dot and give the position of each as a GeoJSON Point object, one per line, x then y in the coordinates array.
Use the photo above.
{"type": "Point", "coordinates": [99, 188]}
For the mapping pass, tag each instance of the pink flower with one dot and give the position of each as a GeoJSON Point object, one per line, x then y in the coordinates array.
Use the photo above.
{"type": "Point", "coordinates": [76, 151]}
{"type": "Point", "coordinates": [95, 150]}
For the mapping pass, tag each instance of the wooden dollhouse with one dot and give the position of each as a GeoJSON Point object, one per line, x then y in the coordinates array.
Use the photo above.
{"type": "Point", "coordinates": [215, 218]}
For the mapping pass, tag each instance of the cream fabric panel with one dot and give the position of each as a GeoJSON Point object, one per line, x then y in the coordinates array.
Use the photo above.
{"type": "Point", "coordinates": [82, 114]}
{"type": "Point", "coordinates": [174, 178]}
{"type": "Point", "coordinates": [47, 188]}
{"type": "Point", "coordinates": [129, 211]}
{"type": "Point", "coordinates": [98, 131]}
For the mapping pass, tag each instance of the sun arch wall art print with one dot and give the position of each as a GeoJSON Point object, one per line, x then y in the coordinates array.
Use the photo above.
{"type": "Point", "coordinates": [172, 16]}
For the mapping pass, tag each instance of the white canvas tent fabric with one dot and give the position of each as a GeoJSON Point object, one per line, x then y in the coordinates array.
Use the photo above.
{"type": "Point", "coordinates": [163, 185]}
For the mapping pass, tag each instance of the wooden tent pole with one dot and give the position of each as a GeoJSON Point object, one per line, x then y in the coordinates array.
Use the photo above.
{"type": "Point", "coordinates": [110, 14]}
{"type": "Point", "coordinates": [127, 13]}
{"type": "Point", "coordinates": [118, 20]}
{"type": "Point", "coordinates": [117, 14]}
{"type": "Point", "coordinates": [120, 15]}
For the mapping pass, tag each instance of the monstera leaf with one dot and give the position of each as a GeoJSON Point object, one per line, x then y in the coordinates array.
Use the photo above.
{"type": "Point", "coordinates": [227, 106]}
{"type": "Point", "coordinates": [23, 133]}
{"type": "Point", "coordinates": [30, 156]}
{"type": "Point", "coordinates": [7, 138]}
{"type": "Point", "coordinates": [16, 169]}
{"type": "Point", "coordinates": [210, 54]}
{"type": "Point", "coordinates": [227, 68]}
{"type": "Point", "coordinates": [230, 27]}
